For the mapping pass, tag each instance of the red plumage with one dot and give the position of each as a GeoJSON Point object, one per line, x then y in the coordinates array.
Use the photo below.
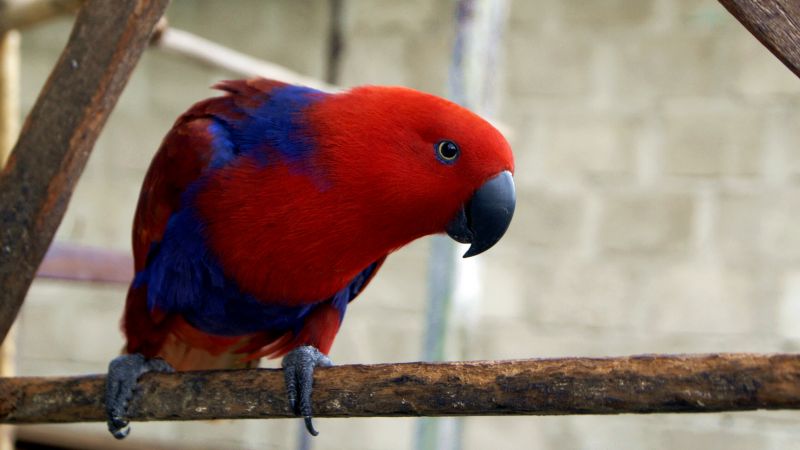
{"type": "Point", "coordinates": [295, 231]}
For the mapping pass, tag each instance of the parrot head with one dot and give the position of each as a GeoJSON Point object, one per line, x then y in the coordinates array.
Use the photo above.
{"type": "Point", "coordinates": [428, 163]}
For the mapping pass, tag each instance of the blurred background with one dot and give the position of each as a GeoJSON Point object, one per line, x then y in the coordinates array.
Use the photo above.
{"type": "Point", "coordinates": [658, 175]}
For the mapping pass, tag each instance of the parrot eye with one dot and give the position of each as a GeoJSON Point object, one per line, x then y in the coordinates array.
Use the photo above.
{"type": "Point", "coordinates": [447, 151]}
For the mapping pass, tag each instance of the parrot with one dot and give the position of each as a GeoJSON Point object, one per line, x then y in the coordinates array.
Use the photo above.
{"type": "Point", "coordinates": [269, 208]}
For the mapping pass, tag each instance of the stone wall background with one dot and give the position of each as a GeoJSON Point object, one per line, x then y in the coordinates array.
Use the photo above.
{"type": "Point", "coordinates": [658, 174]}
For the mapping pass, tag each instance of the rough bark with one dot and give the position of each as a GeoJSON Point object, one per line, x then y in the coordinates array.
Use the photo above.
{"type": "Point", "coordinates": [638, 384]}
{"type": "Point", "coordinates": [59, 133]}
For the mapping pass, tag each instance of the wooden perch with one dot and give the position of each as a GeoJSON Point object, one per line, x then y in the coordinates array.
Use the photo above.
{"type": "Point", "coordinates": [638, 384]}
{"type": "Point", "coordinates": [776, 23]}
{"type": "Point", "coordinates": [59, 134]}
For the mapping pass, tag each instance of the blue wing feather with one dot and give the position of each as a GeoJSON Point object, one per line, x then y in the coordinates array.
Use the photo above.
{"type": "Point", "coordinates": [183, 277]}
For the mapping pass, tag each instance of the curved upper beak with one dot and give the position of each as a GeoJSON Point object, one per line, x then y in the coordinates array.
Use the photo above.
{"type": "Point", "coordinates": [484, 219]}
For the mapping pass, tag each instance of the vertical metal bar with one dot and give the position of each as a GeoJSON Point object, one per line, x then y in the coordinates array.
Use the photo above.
{"type": "Point", "coordinates": [335, 42]}
{"type": "Point", "coordinates": [453, 283]}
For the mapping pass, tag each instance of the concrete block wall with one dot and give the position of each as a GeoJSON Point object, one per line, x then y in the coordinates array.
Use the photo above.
{"type": "Point", "coordinates": [658, 175]}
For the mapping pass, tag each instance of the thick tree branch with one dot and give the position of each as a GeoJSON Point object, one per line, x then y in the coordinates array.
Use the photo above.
{"type": "Point", "coordinates": [59, 133]}
{"type": "Point", "coordinates": [776, 23]}
{"type": "Point", "coordinates": [638, 384]}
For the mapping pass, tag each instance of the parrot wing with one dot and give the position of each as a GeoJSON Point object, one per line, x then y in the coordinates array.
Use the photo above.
{"type": "Point", "coordinates": [186, 153]}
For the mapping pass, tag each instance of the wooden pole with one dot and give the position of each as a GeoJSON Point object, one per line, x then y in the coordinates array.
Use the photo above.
{"type": "Point", "coordinates": [9, 128]}
{"type": "Point", "coordinates": [59, 134]}
{"type": "Point", "coordinates": [637, 384]}
{"type": "Point", "coordinates": [776, 23]}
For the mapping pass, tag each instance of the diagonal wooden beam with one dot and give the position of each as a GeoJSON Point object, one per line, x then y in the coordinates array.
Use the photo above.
{"type": "Point", "coordinates": [636, 384]}
{"type": "Point", "coordinates": [776, 23]}
{"type": "Point", "coordinates": [58, 135]}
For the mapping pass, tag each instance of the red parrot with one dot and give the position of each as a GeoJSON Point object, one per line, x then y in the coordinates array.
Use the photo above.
{"type": "Point", "coordinates": [267, 210]}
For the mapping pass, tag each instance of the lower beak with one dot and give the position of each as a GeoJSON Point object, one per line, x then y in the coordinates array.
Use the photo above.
{"type": "Point", "coordinates": [484, 219]}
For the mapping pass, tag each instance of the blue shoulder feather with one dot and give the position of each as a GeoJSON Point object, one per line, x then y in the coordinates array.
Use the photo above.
{"type": "Point", "coordinates": [276, 125]}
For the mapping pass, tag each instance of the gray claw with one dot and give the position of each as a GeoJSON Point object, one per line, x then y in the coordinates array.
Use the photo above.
{"type": "Point", "coordinates": [298, 372]}
{"type": "Point", "coordinates": [310, 426]}
{"type": "Point", "coordinates": [123, 373]}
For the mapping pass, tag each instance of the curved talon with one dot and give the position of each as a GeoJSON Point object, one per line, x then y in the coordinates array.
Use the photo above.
{"type": "Point", "coordinates": [310, 426]}
{"type": "Point", "coordinates": [298, 366]}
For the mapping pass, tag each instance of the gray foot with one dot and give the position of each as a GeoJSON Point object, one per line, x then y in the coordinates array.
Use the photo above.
{"type": "Point", "coordinates": [298, 371]}
{"type": "Point", "coordinates": [123, 373]}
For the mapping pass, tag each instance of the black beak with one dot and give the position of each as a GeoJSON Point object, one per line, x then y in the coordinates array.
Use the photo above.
{"type": "Point", "coordinates": [484, 219]}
